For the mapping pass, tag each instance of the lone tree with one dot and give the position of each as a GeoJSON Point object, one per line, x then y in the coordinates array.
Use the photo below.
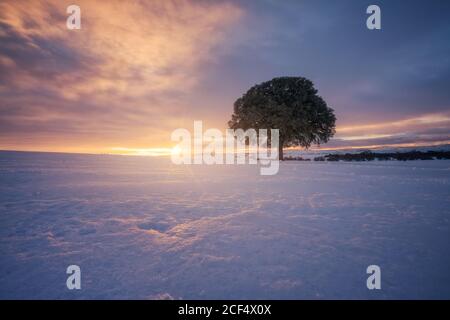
{"type": "Point", "coordinates": [290, 104]}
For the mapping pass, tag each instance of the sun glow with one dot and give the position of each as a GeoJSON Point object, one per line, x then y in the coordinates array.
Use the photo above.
{"type": "Point", "coordinates": [176, 150]}
{"type": "Point", "coordinates": [153, 152]}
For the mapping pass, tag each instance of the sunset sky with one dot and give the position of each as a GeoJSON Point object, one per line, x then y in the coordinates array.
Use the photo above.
{"type": "Point", "coordinates": [137, 70]}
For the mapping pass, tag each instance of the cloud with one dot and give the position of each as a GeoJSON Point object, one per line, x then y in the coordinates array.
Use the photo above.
{"type": "Point", "coordinates": [128, 66]}
{"type": "Point", "coordinates": [428, 129]}
{"type": "Point", "coordinates": [137, 70]}
{"type": "Point", "coordinates": [123, 48]}
{"type": "Point", "coordinates": [441, 120]}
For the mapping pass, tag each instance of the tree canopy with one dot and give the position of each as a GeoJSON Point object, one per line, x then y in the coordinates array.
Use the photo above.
{"type": "Point", "coordinates": [290, 104]}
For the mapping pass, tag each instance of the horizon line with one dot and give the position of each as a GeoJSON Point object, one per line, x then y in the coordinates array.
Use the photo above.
{"type": "Point", "coordinates": [374, 147]}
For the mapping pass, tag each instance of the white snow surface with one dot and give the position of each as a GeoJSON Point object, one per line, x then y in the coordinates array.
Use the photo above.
{"type": "Point", "coordinates": [143, 228]}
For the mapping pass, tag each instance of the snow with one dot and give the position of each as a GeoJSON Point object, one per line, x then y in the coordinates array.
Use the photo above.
{"type": "Point", "coordinates": [312, 153]}
{"type": "Point", "coordinates": [141, 227]}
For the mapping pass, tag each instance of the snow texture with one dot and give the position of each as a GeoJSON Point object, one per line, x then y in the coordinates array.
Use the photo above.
{"type": "Point", "coordinates": [141, 227]}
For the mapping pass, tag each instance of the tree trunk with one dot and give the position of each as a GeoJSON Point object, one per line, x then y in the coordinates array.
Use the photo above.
{"type": "Point", "coordinates": [280, 151]}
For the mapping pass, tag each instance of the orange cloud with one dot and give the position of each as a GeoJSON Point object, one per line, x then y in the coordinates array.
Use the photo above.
{"type": "Point", "coordinates": [375, 129]}
{"type": "Point", "coordinates": [133, 47]}
{"type": "Point", "coordinates": [115, 82]}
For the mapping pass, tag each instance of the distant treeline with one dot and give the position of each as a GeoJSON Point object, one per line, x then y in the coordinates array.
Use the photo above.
{"type": "Point", "coordinates": [370, 156]}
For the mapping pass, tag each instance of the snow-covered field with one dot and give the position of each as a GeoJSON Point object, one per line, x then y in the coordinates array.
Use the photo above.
{"type": "Point", "coordinates": [140, 227]}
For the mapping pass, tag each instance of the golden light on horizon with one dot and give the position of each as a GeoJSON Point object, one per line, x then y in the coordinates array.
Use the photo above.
{"type": "Point", "coordinates": [137, 71]}
{"type": "Point", "coordinates": [153, 152]}
{"type": "Point", "coordinates": [176, 150]}
{"type": "Point", "coordinates": [119, 84]}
